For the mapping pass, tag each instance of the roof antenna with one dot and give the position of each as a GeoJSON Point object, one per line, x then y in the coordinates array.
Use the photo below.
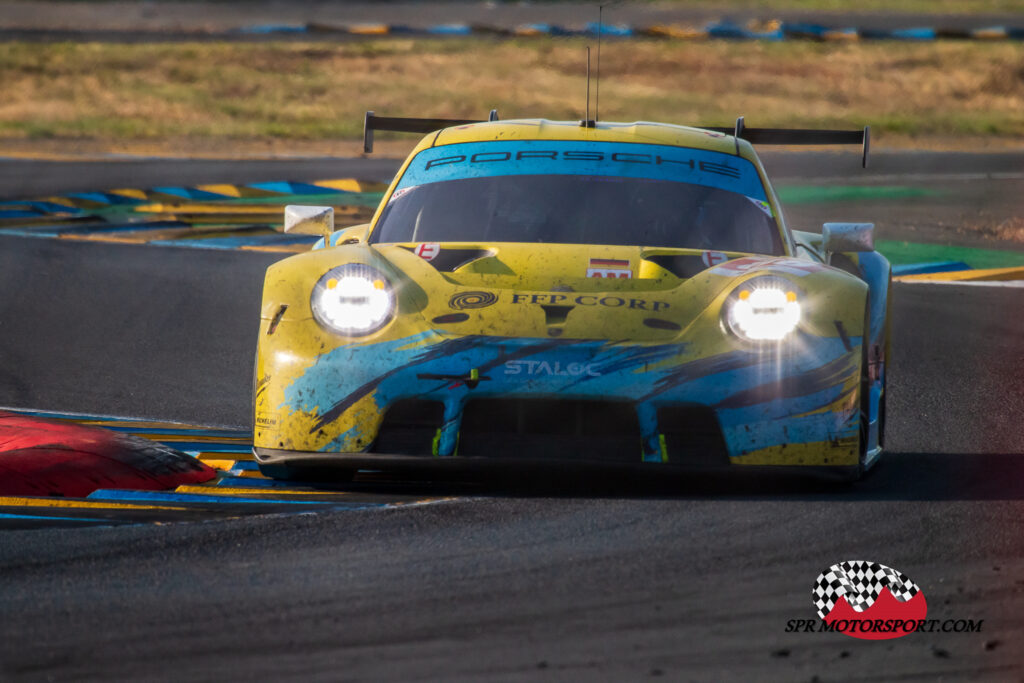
{"type": "Point", "coordinates": [587, 122]}
{"type": "Point", "coordinates": [600, 30]}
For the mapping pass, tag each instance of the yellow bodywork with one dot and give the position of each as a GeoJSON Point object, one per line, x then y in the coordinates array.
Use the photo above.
{"type": "Point", "coordinates": [654, 339]}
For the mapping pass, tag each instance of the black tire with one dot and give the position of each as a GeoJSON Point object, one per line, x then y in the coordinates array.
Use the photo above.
{"type": "Point", "coordinates": [865, 391]}
{"type": "Point", "coordinates": [885, 358]}
{"type": "Point", "coordinates": [857, 471]}
{"type": "Point", "coordinates": [309, 475]}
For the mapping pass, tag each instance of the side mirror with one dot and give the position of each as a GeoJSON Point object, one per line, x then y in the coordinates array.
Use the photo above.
{"type": "Point", "coordinates": [838, 237]}
{"type": "Point", "coordinates": [351, 235]}
{"type": "Point", "coordinates": [309, 220]}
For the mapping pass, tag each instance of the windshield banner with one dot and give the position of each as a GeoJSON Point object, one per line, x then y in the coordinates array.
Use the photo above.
{"type": "Point", "coordinates": [565, 157]}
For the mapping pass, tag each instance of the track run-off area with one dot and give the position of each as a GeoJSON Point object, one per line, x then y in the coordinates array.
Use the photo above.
{"type": "Point", "coordinates": [559, 575]}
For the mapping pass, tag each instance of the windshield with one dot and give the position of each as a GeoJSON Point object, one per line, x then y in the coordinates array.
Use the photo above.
{"type": "Point", "coordinates": [581, 193]}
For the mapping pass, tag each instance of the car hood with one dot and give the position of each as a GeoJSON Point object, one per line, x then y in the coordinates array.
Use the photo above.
{"type": "Point", "coordinates": [539, 290]}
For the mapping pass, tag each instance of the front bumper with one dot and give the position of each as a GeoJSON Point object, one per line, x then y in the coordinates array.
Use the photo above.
{"type": "Point", "coordinates": [326, 466]}
{"type": "Point", "coordinates": [795, 405]}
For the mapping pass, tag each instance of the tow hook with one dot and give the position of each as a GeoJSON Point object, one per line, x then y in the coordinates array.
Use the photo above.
{"type": "Point", "coordinates": [471, 380]}
{"type": "Point", "coordinates": [875, 362]}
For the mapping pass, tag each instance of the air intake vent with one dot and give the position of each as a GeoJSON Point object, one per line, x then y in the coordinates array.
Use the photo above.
{"type": "Point", "coordinates": [538, 428]}
{"type": "Point", "coordinates": [409, 428]}
{"type": "Point", "coordinates": [692, 436]}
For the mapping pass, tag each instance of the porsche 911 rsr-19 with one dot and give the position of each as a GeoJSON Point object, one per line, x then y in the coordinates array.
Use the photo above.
{"type": "Point", "coordinates": [535, 290]}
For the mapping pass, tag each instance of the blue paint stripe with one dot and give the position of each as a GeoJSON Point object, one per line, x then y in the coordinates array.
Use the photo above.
{"type": "Point", "coordinates": [48, 230]}
{"type": "Point", "coordinates": [212, 243]}
{"type": "Point", "coordinates": [621, 30]}
{"type": "Point", "coordinates": [720, 30]}
{"type": "Point", "coordinates": [278, 187]}
{"type": "Point", "coordinates": [805, 30]}
{"type": "Point", "coordinates": [191, 193]}
{"type": "Point", "coordinates": [535, 28]}
{"type": "Point", "coordinates": [97, 197]}
{"type": "Point", "coordinates": [206, 447]}
{"type": "Point", "coordinates": [264, 29]}
{"type": "Point", "coordinates": [53, 207]}
{"type": "Point", "coordinates": [933, 267]}
{"type": "Point", "coordinates": [897, 34]}
{"type": "Point", "coordinates": [293, 188]}
{"type": "Point", "coordinates": [276, 239]}
{"type": "Point", "coordinates": [105, 198]}
{"type": "Point", "coordinates": [451, 29]}
{"type": "Point", "coordinates": [246, 466]}
{"type": "Point", "coordinates": [196, 244]}
{"type": "Point", "coordinates": [731, 31]}
{"type": "Point", "coordinates": [914, 34]}
{"type": "Point", "coordinates": [93, 520]}
{"type": "Point", "coordinates": [663, 162]}
{"type": "Point", "coordinates": [20, 214]}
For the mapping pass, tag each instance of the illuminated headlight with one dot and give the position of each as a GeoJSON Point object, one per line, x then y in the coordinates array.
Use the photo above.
{"type": "Point", "coordinates": [763, 309]}
{"type": "Point", "coordinates": [353, 300]}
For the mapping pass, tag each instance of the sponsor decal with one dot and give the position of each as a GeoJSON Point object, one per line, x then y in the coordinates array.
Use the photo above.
{"type": "Point", "coordinates": [591, 300]}
{"type": "Point", "coordinates": [554, 369]}
{"type": "Point", "coordinates": [593, 159]}
{"type": "Point", "coordinates": [427, 251]}
{"type": "Point", "coordinates": [713, 258]}
{"type": "Point", "coordinates": [790, 266]}
{"type": "Point", "coordinates": [397, 194]}
{"type": "Point", "coordinates": [266, 420]}
{"type": "Point", "coordinates": [764, 206]}
{"type": "Point", "coordinates": [472, 300]}
{"type": "Point", "coordinates": [602, 267]}
{"type": "Point", "coordinates": [580, 155]}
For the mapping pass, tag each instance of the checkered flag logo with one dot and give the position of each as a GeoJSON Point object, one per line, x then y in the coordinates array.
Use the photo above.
{"type": "Point", "coordinates": [860, 583]}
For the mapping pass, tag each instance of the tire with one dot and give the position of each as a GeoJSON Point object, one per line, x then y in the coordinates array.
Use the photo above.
{"type": "Point", "coordinates": [865, 400]}
{"type": "Point", "coordinates": [857, 471]}
{"type": "Point", "coordinates": [309, 475]}
{"type": "Point", "coordinates": [864, 428]}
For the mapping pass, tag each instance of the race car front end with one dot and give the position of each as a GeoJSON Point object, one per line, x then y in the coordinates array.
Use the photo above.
{"type": "Point", "coordinates": [375, 356]}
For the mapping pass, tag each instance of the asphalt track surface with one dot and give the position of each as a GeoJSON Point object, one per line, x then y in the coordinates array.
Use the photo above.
{"type": "Point", "coordinates": [514, 578]}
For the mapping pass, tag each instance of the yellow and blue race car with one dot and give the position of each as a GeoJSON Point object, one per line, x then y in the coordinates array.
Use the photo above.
{"type": "Point", "coordinates": [551, 291]}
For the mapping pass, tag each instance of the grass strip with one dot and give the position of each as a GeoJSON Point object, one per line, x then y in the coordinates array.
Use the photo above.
{"type": "Point", "coordinates": [255, 94]}
{"type": "Point", "coordinates": [844, 6]}
{"type": "Point", "coordinates": [901, 253]}
{"type": "Point", "coordinates": [816, 194]}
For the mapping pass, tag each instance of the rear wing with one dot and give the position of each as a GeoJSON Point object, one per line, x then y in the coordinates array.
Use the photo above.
{"type": "Point", "coordinates": [798, 136]}
{"type": "Point", "coordinates": [755, 136]}
{"type": "Point", "coordinates": [373, 122]}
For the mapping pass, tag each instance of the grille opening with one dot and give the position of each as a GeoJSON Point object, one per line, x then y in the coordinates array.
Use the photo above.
{"type": "Point", "coordinates": [541, 428]}
{"type": "Point", "coordinates": [692, 435]}
{"type": "Point", "coordinates": [409, 428]}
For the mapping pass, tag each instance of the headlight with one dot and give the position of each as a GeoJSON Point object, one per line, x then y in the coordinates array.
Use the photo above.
{"type": "Point", "coordinates": [763, 309]}
{"type": "Point", "coordinates": [353, 300]}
